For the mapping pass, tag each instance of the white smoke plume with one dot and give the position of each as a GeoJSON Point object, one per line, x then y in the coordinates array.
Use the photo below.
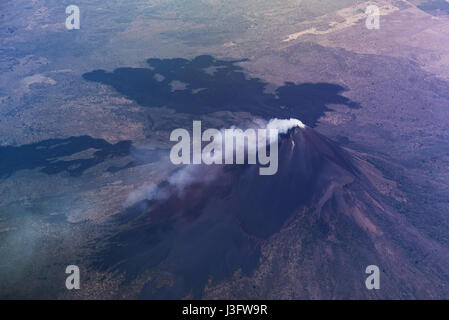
{"type": "Point", "coordinates": [283, 125]}
{"type": "Point", "coordinates": [189, 174]}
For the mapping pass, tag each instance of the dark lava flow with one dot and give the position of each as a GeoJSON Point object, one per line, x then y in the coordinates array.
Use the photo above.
{"type": "Point", "coordinates": [204, 85]}
{"type": "Point", "coordinates": [48, 155]}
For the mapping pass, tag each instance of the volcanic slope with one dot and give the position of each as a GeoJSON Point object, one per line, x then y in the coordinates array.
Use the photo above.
{"type": "Point", "coordinates": [309, 231]}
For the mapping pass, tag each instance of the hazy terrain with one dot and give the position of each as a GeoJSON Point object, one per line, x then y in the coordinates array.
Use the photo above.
{"type": "Point", "coordinates": [85, 119]}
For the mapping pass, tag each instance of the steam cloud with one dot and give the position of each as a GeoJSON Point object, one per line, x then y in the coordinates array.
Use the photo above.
{"type": "Point", "coordinates": [188, 175]}
{"type": "Point", "coordinates": [283, 125]}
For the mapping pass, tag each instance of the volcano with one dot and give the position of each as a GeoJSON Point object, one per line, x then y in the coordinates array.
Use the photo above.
{"type": "Point", "coordinates": [307, 232]}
